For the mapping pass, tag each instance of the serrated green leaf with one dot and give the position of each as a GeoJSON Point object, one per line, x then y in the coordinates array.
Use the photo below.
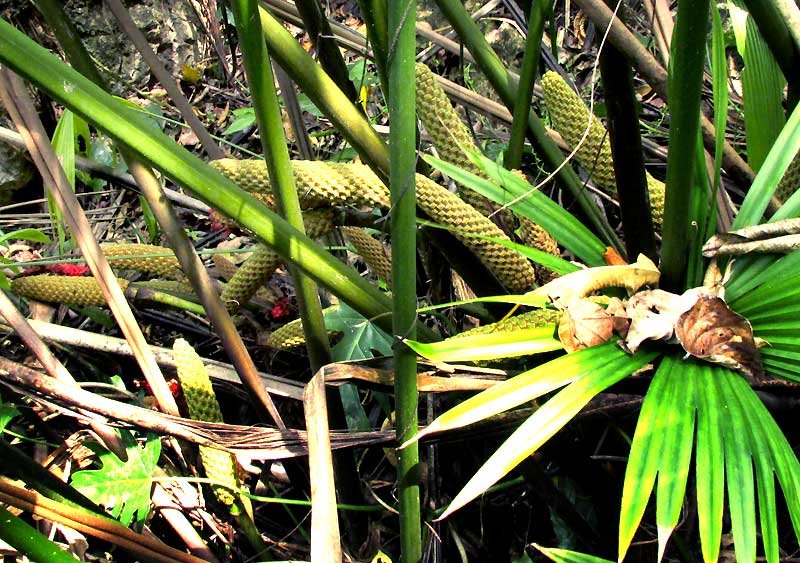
{"type": "Point", "coordinates": [565, 556]}
{"type": "Point", "coordinates": [501, 344]}
{"type": "Point", "coordinates": [360, 336]}
{"type": "Point", "coordinates": [709, 470]}
{"type": "Point", "coordinates": [549, 419]}
{"type": "Point", "coordinates": [123, 488]}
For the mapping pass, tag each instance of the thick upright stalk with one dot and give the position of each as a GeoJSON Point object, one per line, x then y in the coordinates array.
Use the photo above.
{"type": "Point", "coordinates": [527, 77]}
{"type": "Point", "coordinates": [685, 82]}
{"type": "Point", "coordinates": [374, 14]}
{"type": "Point", "coordinates": [505, 86]}
{"type": "Point", "coordinates": [270, 127]}
{"type": "Point", "coordinates": [626, 150]}
{"type": "Point", "coordinates": [402, 165]}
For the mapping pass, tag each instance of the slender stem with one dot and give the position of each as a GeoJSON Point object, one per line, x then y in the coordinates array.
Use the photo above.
{"type": "Point", "coordinates": [270, 126]}
{"type": "Point", "coordinates": [626, 150]}
{"type": "Point", "coordinates": [375, 16]}
{"type": "Point", "coordinates": [403, 155]}
{"type": "Point", "coordinates": [328, 53]}
{"type": "Point", "coordinates": [688, 59]}
{"type": "Point", "coordinates": [29, 541]}
{"type": "Point", "coordinates": [527, 78]}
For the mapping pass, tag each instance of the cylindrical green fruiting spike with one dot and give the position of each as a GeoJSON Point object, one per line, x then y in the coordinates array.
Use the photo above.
{"type": "Point", "coordinates": [319, 184]}
{"type": "Point", "coordinates": [377, 257]}
{"type": "Point", "coordinates": [219, 465]}
{"type": "Point", "coordinates": [257, 269]}
{"type": "Point", "coordinates": [70, 290]}
{"type": "Point", "coordinates": [790, 181]}
{"type": "Point", "coordinates": [447, 132]}
{"type": "Point", "coordinates": [291, 334]}
{"type": "Point", "coordinates": [227, 270]}
{"type": "Point", "coordinates": [172, 286]}
{"type": "Point", "coordinates": [166, 266]}
{"type": "Point", "coordinates": [536, 237]}
{"type": "Point", "coordinates": [570, 116]}
{"type": "Point", "coordinates": [451, 138]}
{"type": "Point", "coordinates": [469, 226]}
{"type": "Point", "coordinates": [532, 319]}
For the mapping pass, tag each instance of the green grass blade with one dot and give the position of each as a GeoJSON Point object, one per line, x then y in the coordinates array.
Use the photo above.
{"type": "Point", "coordinates": [546, 421]}
{"type": "Point", "coordinates": [719, 69]}
{"type": "Point", "coordinates": [709, 468]}
{"type": "Point", "coordinates": [501, 344]}
{"type": "Point", "coordinates": [675, 445]}
{"type": "Point", "coordinates": [739, 470]}
{"type": "Point", "coordinates": [525, 387]}
{"type": "Point", "coordinates": [643, 464]}
{"type": "Point", "coordinates": [505, 187]}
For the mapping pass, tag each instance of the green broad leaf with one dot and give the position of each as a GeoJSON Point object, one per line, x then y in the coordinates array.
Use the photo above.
{"type": "Point", "coordinates": [505, 187]}
{"type": "Point", "coordinates": [7, 414]}
{"type": "Point", "coordinates": [762, 86]}
{"type": "Point", "coordinates": [32, 235]}
{"type": "Point", "coordinates": [524, 387]}
{"type": "Point", "coordinates": [123, 488]}
{"type": "Point", "coordinates": [243, 118]}
{"type": "Point", "coordinates": [361, 339]}
{"type": "Point", "coordinates": [502, 344]}
{"type": "Point", "coordinates": [739, 447]}
{"type": "Point", "coordinates": [565, 556]}
{"type": "Point", "coordinates": [550, 418]}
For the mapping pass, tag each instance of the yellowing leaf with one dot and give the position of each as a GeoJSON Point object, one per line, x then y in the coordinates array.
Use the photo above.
{"type": "Point", "coordinates": [501, 344]}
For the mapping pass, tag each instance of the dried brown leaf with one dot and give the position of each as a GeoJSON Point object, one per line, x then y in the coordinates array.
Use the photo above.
{"type": "Point", "coordinates": [584, 324]}
{"type": "Point", "coordinates": [711, 331]}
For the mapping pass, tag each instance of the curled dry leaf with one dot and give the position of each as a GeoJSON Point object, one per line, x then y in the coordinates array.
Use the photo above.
{"type": "Point", "coordinates": [584, 324]}
{"type": "Point", "coordinates": [711, 331]}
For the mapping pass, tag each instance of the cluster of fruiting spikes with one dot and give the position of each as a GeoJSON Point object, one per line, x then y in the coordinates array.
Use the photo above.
{"type": "Point", "coordinates": [218, 465]}
{"type": "Point", "coordinates": [570, 117]}
{"type": "Point", "coordinates": [356, 184]}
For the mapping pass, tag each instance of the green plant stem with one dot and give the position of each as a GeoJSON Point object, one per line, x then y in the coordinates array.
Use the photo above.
{"type": "Point", "coordinates": [375, 16]}
{"type": "Point", "coordinates": [527, 77]}
{"type": "Point", "coordinates": [310, 77]}
{"type": "Point", "coordinates": [28, 540]}
{"type": "Point", "coordinates": [270, 126]}
{"type": "Point", "coordinates": [505, 86]}
{"type": "Point", "coordinates": [626, 150]}
{"type": "Point", "coordinates": [688, 59]}
{"type": "Point", "coordinates": [328, 53]}
{"type": "Point", "coordinates": [402, 146]}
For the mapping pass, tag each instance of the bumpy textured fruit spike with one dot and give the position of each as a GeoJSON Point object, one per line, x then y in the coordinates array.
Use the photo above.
{"type": "Point", "coordinates": [451, 137]}
{"type": "Point", "coordinates": [447, 132]}
{"type": "Point", "coordinates": [536, 237]}
{"type": "Point", "coordinates": [377, 257]}
{"type": "Point", "coordinates": [70, 290]}
{"type": "Point", "coordinates": [291, 334]}
{"type": "Point", "coordinates": [790, 181]}
{"type": "Point", "coordinates": [469, 225]}
{"type": "Point", "coordinates": [319, 184]}
{"type": "Point", "coordinates": [167, 285]}
{"type": "Point", "coordinates": [166, 266]}
{"type": "Point", "coordinates": [569, 116]}
{"type": "Point", "coordinates": [257, 269]}
{"type": "Point", "coordinates": [227, 270]}
{"type": "Point", "coordinates": [532, 319]}
{"type": "Point", "coordinates": [219, 465]}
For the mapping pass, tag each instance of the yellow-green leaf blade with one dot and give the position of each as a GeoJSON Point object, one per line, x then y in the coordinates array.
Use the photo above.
{"type": "Point", "coordinates": [501, 344]}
